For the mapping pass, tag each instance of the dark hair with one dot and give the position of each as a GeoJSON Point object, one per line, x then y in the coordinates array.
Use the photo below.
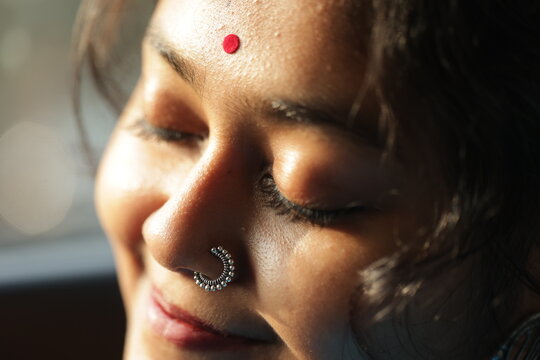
{"type": "Point", "coordinates": [458, 88]}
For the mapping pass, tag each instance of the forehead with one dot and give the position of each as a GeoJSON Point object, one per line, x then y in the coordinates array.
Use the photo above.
{"type": "Point", "coordinates": [299, 48]}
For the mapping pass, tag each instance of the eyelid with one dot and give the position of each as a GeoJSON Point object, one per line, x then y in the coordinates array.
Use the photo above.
{"type": "Point", "coordinates": [274, 199]}
{"type": "Point", "coordinates": [142, 128]}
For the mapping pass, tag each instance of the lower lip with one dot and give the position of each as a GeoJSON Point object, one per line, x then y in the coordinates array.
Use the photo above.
{"type": "Point", "coordinates": [187, 334]}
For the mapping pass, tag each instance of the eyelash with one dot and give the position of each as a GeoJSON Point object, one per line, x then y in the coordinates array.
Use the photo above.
{"type": "Point", "coordinates": [146, 131]}
{"type": "Point", "coordinates": [272, 197]}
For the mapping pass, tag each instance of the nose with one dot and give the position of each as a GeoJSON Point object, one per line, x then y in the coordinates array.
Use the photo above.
{"type": "Point", "coordinates": [208, 209]}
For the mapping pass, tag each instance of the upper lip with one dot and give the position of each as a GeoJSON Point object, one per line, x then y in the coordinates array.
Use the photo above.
{"type": "Point", "coordinates": [184, 316]}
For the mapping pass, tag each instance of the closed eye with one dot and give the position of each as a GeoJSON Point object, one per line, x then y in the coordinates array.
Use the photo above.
{"type": "Point", "coordinates": [274, 199]}
{"type": "Point", "coordinates": [145, 130]}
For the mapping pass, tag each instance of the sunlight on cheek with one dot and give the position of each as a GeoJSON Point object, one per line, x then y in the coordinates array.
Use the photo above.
{"type": "Point", "coordinates": [122, 168]}
{"type": "Point", "coordinates": [315, 290]}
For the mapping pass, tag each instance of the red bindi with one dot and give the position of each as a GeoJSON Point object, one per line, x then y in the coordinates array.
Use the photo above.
{"type": "Point", "coordinates": [231, 43]}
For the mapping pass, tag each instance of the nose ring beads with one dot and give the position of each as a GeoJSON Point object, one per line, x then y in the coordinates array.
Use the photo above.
{"type": "Point", "coordinates": [226, 276]}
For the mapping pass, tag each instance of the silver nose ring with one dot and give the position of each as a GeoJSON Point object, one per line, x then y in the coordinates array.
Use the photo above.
{"type": "Point", "coordinates": [226, 276]}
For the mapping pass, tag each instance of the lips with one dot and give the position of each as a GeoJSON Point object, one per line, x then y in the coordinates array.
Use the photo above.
{"type": "Point", "coordinates": [183, 329]}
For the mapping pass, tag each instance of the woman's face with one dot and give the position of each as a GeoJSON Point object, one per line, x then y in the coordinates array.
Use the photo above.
{"type": "Point", "coordinates": [250, 151]}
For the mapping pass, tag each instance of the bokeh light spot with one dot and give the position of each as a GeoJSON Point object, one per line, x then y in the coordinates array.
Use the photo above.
{"type": "Point", "coordinates": [37, 183]}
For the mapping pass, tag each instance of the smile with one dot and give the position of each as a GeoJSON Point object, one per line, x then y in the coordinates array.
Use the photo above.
{"type": "Point", "coordinates": [185, 330]}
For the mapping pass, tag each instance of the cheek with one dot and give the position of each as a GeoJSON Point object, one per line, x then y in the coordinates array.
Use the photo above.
{"type": "Point", "coordinates": [314, 276]}
{"type": "Point", "coordinates": [318, 278]}
{"type": "Point", "coordinates": [124, 189]}
{"type": "Point", "coordinates": [131, 184]}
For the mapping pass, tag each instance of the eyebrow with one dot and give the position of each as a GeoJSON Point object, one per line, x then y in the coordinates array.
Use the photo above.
{"type": "Point", "coordinates": [293, 112]}
{"type": "Point", "coordinates": [182, 65]}
{"type": "Point", "coordinates": [288, 111]}
{"type": "Point", "coordinates": [301, 113]}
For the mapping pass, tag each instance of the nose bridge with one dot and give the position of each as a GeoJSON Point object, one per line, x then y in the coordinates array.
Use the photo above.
{"type": "Point", "coordinates": [207, 210]}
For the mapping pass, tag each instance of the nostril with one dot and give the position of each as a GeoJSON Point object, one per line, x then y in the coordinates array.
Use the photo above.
{"type": "Point", "coordinates": [211, 268]}
{"type": "Point", "coordinates": [185, 271]}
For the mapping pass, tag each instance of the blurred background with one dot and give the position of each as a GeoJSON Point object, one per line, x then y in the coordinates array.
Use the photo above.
{"type": "Point", "coordinates": [58, 291]}
{"type": "Point", "coordinates": [47, 223]}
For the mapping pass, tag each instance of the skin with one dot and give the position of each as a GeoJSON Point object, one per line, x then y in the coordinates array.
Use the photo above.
{"type": "Point", "coordinates": [164, 204]}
